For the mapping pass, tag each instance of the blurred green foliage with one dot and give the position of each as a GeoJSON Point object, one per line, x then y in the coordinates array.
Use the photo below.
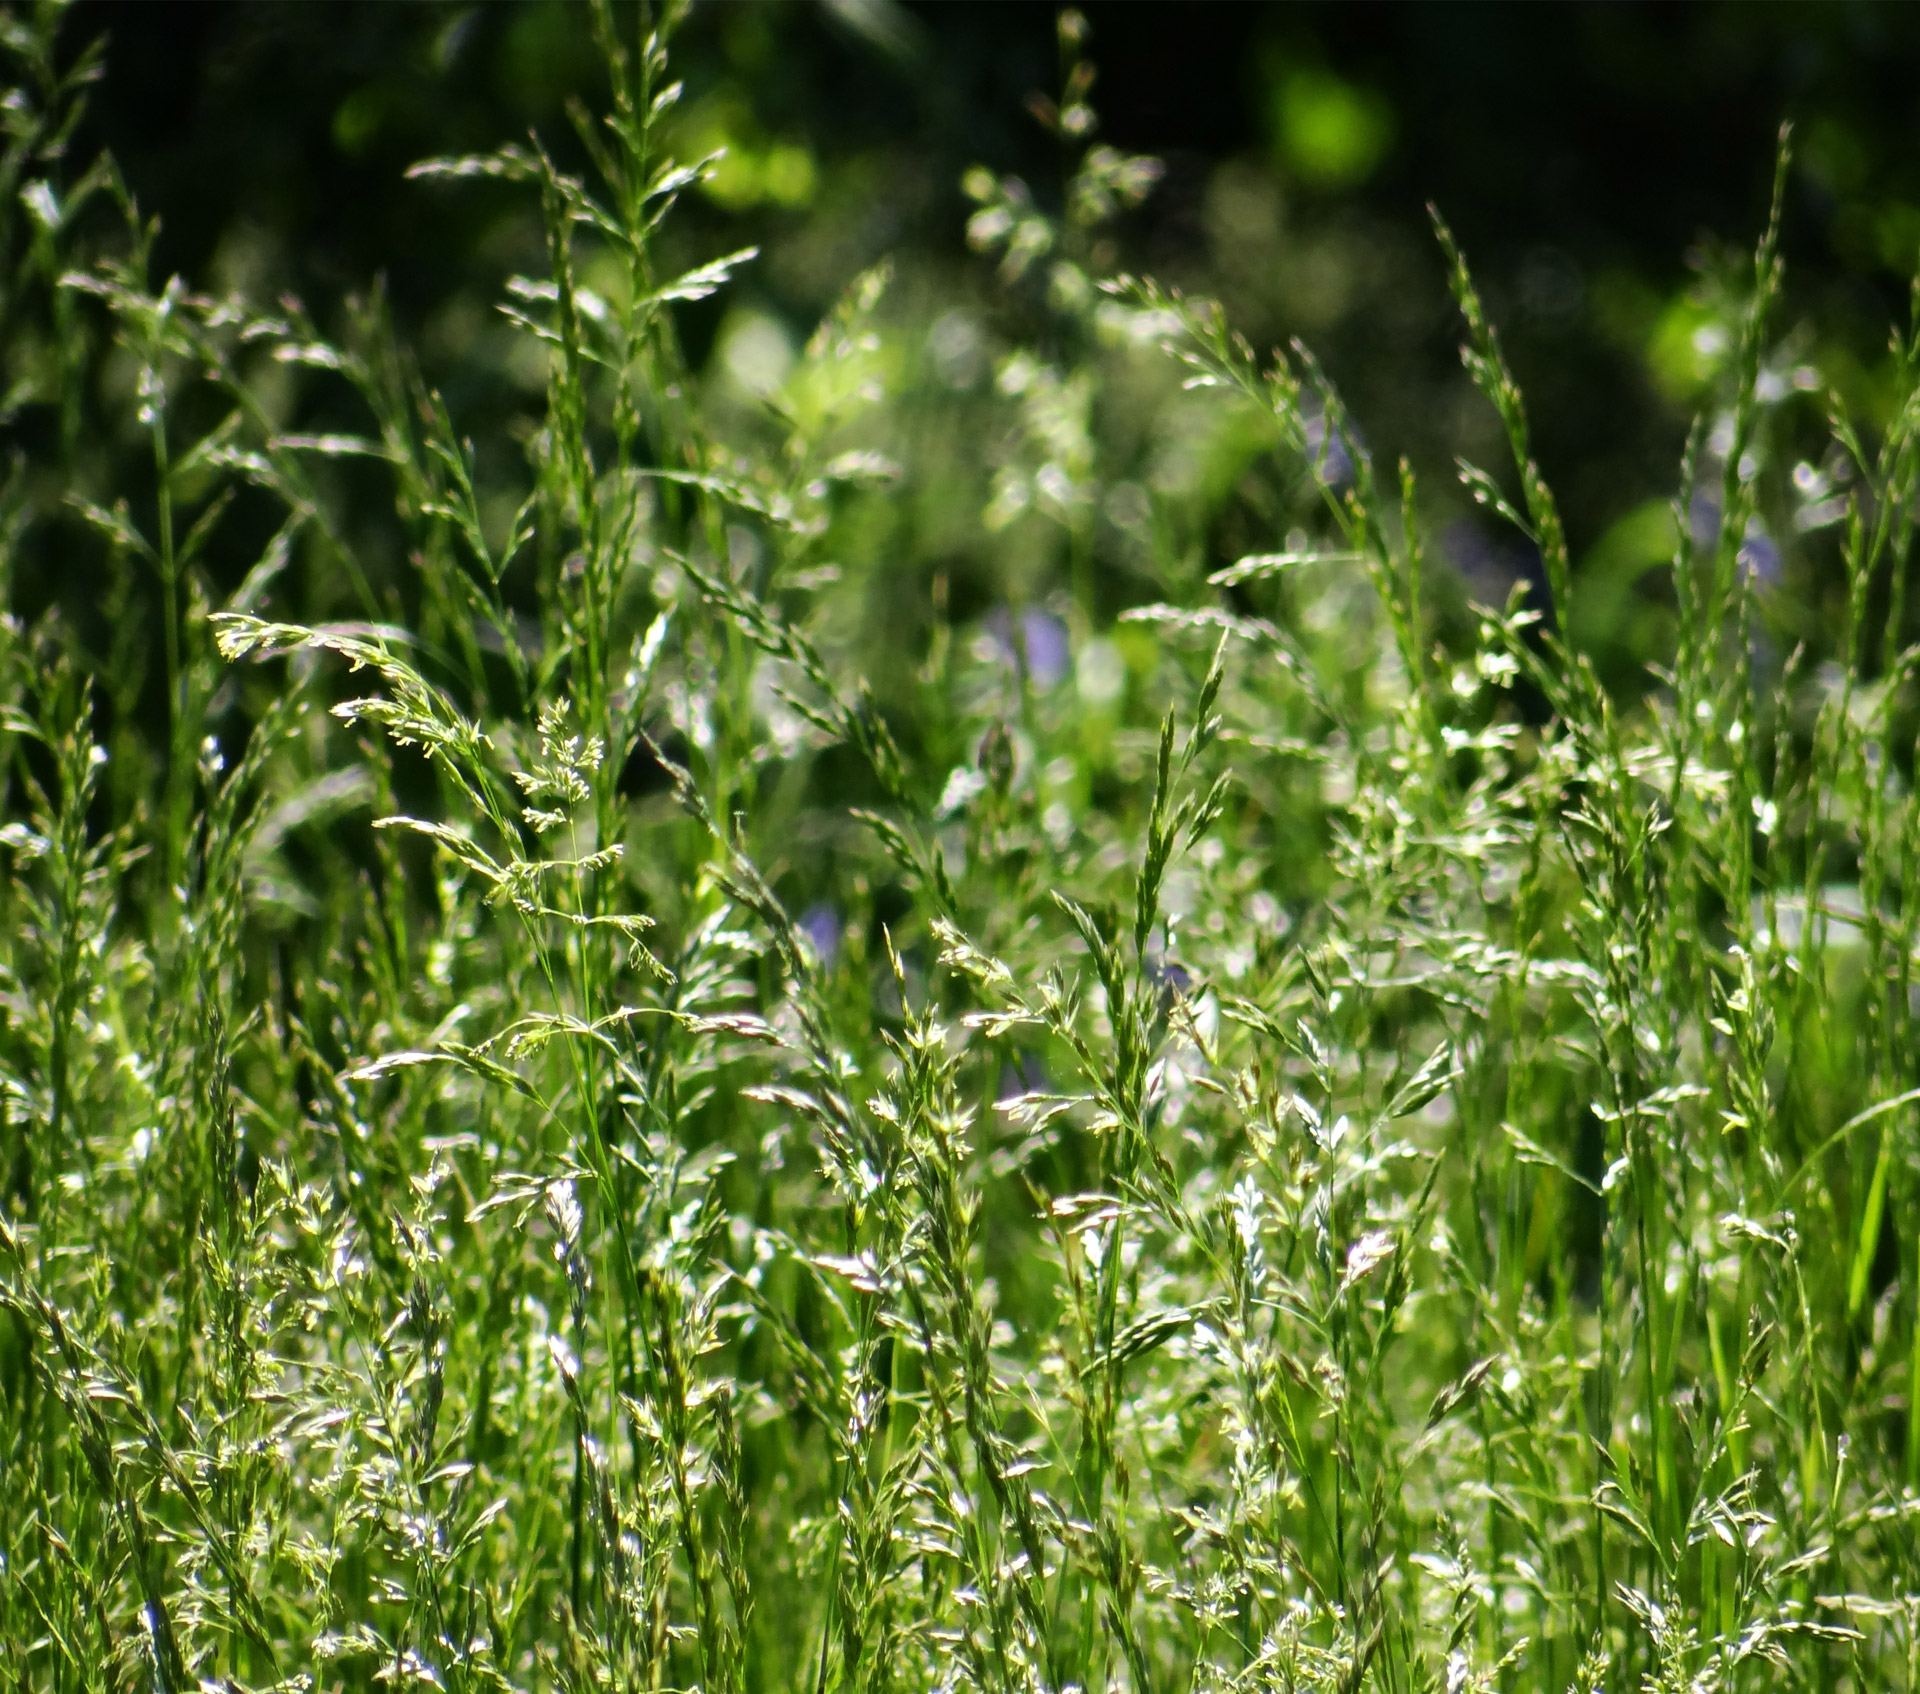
{"type": "Point", "coordinates": [1596, 160]}
{"type": "Point", "coordinates": [1328, 133]}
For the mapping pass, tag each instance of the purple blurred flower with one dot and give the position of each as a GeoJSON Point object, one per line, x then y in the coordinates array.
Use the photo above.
{"type": "Point", "coordinates": [821, 926]}
{"type": "Point", "coordinates": [1172, 977]}
{"type": "Point", "coordinates": [1491, 566]}
{"type": "Point", "coordinates": [1703, 518]}
{"type": "Point", "coordinates": [1332, 463]}
{"type": "Point", "coordinates": [1760, 556]}
{"type": "Point", "coordinates": [1049, 655]}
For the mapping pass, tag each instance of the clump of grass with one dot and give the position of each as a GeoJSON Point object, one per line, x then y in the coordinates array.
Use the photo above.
{"type": "Point", "coordinates": [1293, 1141]}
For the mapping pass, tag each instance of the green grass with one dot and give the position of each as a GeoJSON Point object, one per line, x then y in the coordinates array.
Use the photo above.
{"type": "Point", "coordinates": [1288, 1139]}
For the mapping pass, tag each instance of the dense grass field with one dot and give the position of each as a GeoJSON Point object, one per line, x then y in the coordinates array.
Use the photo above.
{"type": "Point", "coordinates": [927, 1012]}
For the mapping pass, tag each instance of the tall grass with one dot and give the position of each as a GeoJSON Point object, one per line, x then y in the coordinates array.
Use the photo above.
{"type": "Point", "coordinates": [554, 1138]}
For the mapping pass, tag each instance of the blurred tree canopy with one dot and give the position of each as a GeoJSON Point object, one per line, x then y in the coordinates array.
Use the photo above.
{"type": "Point", "coordinates": [1605, 166]}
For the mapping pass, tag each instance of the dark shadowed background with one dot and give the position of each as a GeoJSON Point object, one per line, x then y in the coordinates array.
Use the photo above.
{"type": "Point", "coordinates": [1605, 166]}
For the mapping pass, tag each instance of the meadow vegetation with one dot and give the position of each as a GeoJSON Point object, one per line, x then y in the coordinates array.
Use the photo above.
{"type": "Point", "coordinates": [1229, 1118]}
